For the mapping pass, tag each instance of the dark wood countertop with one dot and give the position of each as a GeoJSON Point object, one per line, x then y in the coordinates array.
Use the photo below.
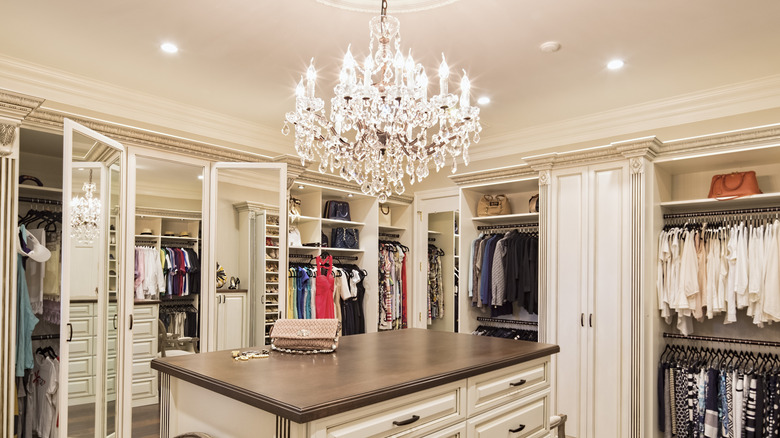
{"type": "Point", "coordinates": [366, 369]}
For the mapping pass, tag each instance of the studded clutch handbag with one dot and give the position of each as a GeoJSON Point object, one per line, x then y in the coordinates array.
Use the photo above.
{"type": "Point", "coordinates": [305, 336]}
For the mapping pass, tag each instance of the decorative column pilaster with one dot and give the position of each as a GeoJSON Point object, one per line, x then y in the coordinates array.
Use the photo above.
{"type": "Point", "coordinates": [544, 227]}
{"type": "Point", "coordinates": [640, 154]}
{"type": "Point", "coordinates": [9, 180]}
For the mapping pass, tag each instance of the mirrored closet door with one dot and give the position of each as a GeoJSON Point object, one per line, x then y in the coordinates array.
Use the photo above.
{"type": "Point", "coordinates": [249, 226]}
{"type": "Point", "coordinates": [93, 170]}
{"type": "Point", "coordinates": [166, 251]}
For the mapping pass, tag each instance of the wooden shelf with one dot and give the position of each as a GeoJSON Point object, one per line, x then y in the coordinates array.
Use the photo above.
{"type": "Point", "coordinates": [709, 204]}
{"type": "Point", "coordinates": [386, 228]}
{"type": "Point", "coordinates": [338, 222]}
{"type": "Point", "coordinates": [507, 218]}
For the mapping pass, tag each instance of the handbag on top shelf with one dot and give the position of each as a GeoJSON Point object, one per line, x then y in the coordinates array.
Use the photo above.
{"type": "Point", "coordinates": [338, 210]}
{"type": "Point", "coordinates": [493, 205]}
{"type": "Point", "coordinates": [734, 185]}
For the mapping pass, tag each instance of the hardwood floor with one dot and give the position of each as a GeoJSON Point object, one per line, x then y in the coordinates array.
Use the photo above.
{"type": "Point", "coordinates": [146, 421]}
{"type": "Point", "coordinates": [81, 421]}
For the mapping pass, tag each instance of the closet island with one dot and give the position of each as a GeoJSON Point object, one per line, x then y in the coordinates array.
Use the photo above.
{"type": "Point", "coordinates": [411, 382]}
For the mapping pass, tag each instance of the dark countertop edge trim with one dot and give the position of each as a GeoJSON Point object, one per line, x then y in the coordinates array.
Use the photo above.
{"type": "Point", "coordinates": [232, 291]}
{"type": "Point", "coordinates": [316, 412]}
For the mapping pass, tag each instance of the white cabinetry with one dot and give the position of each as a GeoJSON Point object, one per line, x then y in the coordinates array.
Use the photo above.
{"type": "Point", "coordinates": [231, 319]}
{"type": "Point", "coordinates": [590, 277]}
{"type": "Point", "coordinates": [81, 354]}
{"type": "Point", "coordinates": [145, 330]}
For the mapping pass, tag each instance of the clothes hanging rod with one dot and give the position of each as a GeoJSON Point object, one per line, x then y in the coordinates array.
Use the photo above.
{"type": "Point", "coordinates": [506, 321]}
{"type": "Point", "coordinates": [722, 213]}
{"type": "Point", "coordinates": [723, 340]}
{"type": "Point", "coordinates": [40, 201]}
{"type": "Point", "coordinates": [507, 226]}
{"type": "Point", "coordinates": [44, 337]}
{"type": "Point", "coordinates": [390, 235]}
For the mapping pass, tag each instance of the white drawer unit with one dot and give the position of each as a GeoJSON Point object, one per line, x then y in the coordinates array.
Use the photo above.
{"type": "Point", "coordinates": [524, 418]}
{"type": "Point", "coordinates": [500, 387]}
{"type": "Point", "coordinates": [408, 416]}
{"type": "Point", "coordinates": [455, 431]}
{"type": "Point", "coordinates": [145, 344]}
{"type": "Point", "coordinates": [81, 353]}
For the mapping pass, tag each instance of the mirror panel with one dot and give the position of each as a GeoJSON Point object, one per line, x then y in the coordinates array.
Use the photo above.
{"type": "Point", "coordinates": [167, 286]}
{"type": "Point", "coordinates": [92, 207]}
{"type": "Point", "coordinates": [250, 247]}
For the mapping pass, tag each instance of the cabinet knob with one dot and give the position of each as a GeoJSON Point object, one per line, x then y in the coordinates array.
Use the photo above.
{"type": "Point", "coordinates": [518, 429]}
{"type": "Point", "coordinates": [410, 420]}
{"type": "Point", "coordinates": [518, 383]}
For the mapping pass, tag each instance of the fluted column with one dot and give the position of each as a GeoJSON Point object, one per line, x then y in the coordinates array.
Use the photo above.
{"type": "Point", "coordinates": [9, 179]}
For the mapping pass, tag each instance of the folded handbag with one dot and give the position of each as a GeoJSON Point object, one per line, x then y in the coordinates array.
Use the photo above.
{"type": "Point", "coordinates": [346, 238]}
{"type": "Point", "coordinates": [734, 185]}
{"type": "Point", "coordinates": [533, 204]}
{"type": "Point", "coordinates": [294, 237]}
{"type": "Point", "coordinates": [305, 336]}
{"type": "Point", "coordinates": [338, 210]}
{"type": "Point", "coordinates": [385, 216]}
{"type": "Point", "coordinates": [490, 205]}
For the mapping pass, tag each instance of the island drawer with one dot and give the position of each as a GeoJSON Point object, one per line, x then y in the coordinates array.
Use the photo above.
{"type": "Point", "coordinates": [497, 388]}
{"type": "Point", "coordinates": [408, 416]}
{"type": "Point", "coordinates": [524, 418]}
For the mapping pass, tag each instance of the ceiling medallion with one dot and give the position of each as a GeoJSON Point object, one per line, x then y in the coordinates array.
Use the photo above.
{"type": "Point", "coordinates": [380, 117]}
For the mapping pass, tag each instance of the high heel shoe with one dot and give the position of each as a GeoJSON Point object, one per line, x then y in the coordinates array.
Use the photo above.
{"type": "Point", "coordinates": [232, 284]}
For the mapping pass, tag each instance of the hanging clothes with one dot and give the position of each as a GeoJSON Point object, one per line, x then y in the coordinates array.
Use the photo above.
{"type": "Point", "coordinates": [325, 283]}
{"type": "Point", "coordinates": [704, 271]}
{"type": "Point", "coordinates": [393, 305]}
{"type": "Point", "coordinates": [503, 269]}
{"type": "Point", "coordinates": [717, 393]}
{"type": "Point", "coordinates": [435, 284]}
{"type": "Point", "coordinates": [25, 317]}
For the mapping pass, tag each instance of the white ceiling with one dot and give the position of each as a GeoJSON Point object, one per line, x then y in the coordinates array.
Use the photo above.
{"type": "Point", "coordinates": [242, 58]}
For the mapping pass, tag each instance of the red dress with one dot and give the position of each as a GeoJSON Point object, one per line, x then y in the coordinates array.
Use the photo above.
{"type": "Point", "coordinates": [323, 299]}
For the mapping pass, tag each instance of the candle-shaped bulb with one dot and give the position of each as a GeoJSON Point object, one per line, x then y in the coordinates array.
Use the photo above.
{"type": "Point", "coordinates": [368, 67]}
{"type": "Point", "coordinates": [349, 61]}
{"type": "Point", "coordinates": [465, 88]}
{"type": "Point", "coordinates": [398, 64]}
{"type": "Point", "coordinates": [311, 76]}
{"type": "Point", "coordinates": [444, 69]}
{"type": "Point", "coordinates": [300, 90]}
{"type": "Point", "coordinates": [444, 73]}
{"type": "Point", "coordinates": [422, 82]}
{"type": "Point", "coordinates": [409, 70]}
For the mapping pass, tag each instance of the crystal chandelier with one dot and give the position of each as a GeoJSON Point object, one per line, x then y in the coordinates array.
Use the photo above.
{"type": "Point", "coordinates": [85, 215]}
{"type": "Point", "coordinates": [380, 117]}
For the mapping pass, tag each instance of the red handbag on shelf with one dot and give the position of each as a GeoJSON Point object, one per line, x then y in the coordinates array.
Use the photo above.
{"type": "Point", "coordinates": [734, 185]}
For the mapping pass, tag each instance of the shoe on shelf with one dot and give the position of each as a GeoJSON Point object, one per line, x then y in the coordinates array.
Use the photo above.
{"type": "Point", "coordinates": [232, 284]}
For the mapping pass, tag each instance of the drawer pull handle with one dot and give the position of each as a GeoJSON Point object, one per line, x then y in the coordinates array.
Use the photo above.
{"type": "Point", "coordinates": [518, 383]}
{"type": "Point", "coordinates": [408, 421]}
{"type": "Point", "coordinates": [70, 336]}
{"type": "Point", "coordinates": [519, 428]}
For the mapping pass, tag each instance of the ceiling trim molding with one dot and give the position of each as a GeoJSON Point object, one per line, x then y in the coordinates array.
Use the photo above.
{"type": "Point", "coordinates": [16, 106]}
{"type": "Point", "coordinates": [730, 100]}
{"type": "Point", "coordinates": [740, 139]}
{"type": "Point", "coordinates": [493, 175]}
{"type": "Point", "coordinates": [82, 92]}
{"type": "Point", "coordinates": [164, 212]}
{"type": "Point", "coordinates": [52, 121]}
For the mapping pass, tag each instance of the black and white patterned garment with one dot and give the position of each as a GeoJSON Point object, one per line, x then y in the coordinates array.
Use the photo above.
{"type": "Point", "coordinates": [681, 402]}
{"type": "Point", "coordinates": [730, 402]}
{"type": "Point", "coordinates": [693, 404]}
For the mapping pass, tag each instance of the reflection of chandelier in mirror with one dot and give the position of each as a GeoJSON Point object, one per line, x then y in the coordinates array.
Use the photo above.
{"type": "Point", "coordinates": [378, 130]}
{"type": "Point", "coordinates": [85, 215]}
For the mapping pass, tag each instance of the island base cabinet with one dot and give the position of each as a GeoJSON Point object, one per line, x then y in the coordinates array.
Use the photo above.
{"type": "Point", "coordinates": [415, 415]}
{"type": "Point", "coordinates": [526, 418]}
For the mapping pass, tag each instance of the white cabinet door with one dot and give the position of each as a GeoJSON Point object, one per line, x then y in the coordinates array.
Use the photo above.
{"type": "Point", "coordinates": [590, 275]}
{"type": "Point", "coordinates": [231, 321]}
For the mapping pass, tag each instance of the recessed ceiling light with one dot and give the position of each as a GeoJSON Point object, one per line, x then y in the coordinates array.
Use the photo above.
{"type": "Point", "coordinates": [349, 195]}
{"type": "Point", "coordinates": [484, 100]}
{"type": "Point", "coordinates": [550, 47]}
{"type": "Point", "coordinates": [200, 176]}
{"type": "Point", "coordinates": [169, 47]}
{"type": "Point", "coordinates": [615, 64]}
{"type": "Point", "coordinates": [300, 187]}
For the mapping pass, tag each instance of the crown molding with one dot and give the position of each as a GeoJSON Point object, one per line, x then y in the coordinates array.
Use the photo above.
{"type": "Point", "coordinates": [164, 212]}
{"type": "Point", "coordinates": [493, 175]}
{"type": "Point", "coordinates": [768, 135]}
{"type": "Point", "coordinates": [15, 107]}
{"type": "Point", "coordinates": [50, 120]}
{"type": "Point", "coordinates": [756, 95]}
{"type": "Point", "coordinates": [101, 97]}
